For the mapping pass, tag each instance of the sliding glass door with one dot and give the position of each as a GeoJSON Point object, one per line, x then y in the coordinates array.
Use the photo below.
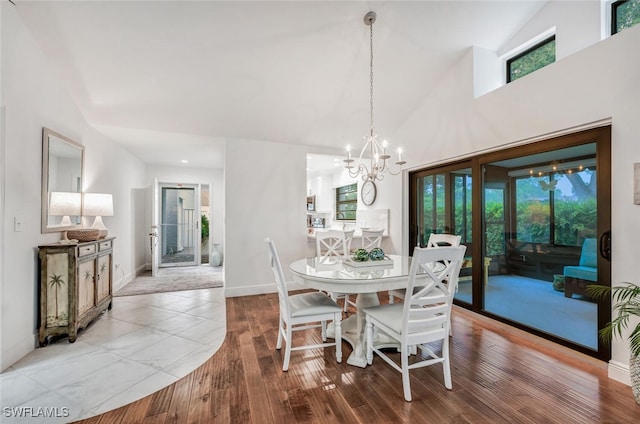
{"type": "Point", "coordinates": [540, 220]}
{"type": "Point", "coordinates": [443, 205]}
{"type": "Point", "coordinates": [535, 220]}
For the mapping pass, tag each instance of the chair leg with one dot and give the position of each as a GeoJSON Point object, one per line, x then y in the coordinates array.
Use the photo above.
{"type": "Point", "coordinates": [446, 366]}
{"type": "Point", "coordinates": [369, 331]}
{"type": "Point", "coordinates": [287, 350]}
{"type": "Point", "coordinates": [406, 387]}
{"type": "Point", "coordinates": [280, 330]}
{"type": "Point", "coordinates": [324, 330]}
{"type": "Point", "coordinates": [346, 302]}
{"type": "Point", "coordinates": [337, 322]}
{"type": "Point", "coordinates": [390, 297]}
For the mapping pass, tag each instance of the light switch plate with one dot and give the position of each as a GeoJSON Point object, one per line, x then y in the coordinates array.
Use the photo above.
{"type": "Point", "coordinates": [17, 224]}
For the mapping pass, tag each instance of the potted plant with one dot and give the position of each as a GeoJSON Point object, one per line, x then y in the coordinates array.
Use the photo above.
{"type": "Point", "coordinates": [627, 306]}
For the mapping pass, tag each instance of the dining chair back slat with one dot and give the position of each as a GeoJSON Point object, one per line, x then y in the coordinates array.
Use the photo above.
{"type": "Point", "coordinates": [371, 239]}
{"type": "Point", "coordinates": [331, 243]}
{"type": "Point", "coordinates": [435, 240]}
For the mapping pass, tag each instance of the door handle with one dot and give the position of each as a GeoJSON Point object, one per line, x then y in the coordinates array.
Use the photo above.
{"type": "Point", "coordinates": [605, 245]}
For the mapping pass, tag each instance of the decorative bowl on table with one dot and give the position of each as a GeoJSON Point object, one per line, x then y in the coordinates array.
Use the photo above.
{"type": "Point", "coordinates": [84, 234]}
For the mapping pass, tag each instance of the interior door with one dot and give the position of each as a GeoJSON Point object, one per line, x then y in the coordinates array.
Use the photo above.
{"type": "Point", "coordinates": [179, 241]}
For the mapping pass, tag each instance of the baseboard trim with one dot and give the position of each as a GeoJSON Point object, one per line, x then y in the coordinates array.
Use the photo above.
{"type": "Point", "coordinates": [258, 289]}
{"type": "Point", "coordinates": [619, 372]}
{"type": "Point", "coordinates": [249, 290]}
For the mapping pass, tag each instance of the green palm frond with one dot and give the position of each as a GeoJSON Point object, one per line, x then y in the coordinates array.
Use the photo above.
{"type": "Point", "coordinates": [627, 305]}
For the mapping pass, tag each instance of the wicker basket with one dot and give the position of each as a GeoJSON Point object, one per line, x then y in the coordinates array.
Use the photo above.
{"type": "Point", "coordinates": [634, 371]}
{"type": "Point", "coordinates": [84, 234]}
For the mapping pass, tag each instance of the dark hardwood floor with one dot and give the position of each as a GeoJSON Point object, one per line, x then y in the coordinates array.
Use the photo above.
{"type": "Point", "coordinates": [500, 375]}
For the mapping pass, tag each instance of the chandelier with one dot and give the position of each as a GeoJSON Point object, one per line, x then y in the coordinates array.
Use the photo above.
{"type": "Point", "coordinates": [376, 149]}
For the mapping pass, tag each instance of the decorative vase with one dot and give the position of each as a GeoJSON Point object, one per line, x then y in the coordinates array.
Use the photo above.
{"type": "Point", "coordinates": [216, 256]}
{"type": "Point", "coordinates": [634, 371]}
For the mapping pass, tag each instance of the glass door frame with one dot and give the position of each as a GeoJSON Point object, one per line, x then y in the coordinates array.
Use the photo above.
{"type": "Point", "coordinates": [602, 137]}
{"type": "Point", "coordinates": [415, 227]}
{"type": "Point", "coordinates": [196, 224]}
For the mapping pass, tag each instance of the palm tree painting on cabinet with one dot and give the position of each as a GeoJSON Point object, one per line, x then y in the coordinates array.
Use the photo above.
{"type": "Point", "coordinates": [57, 299]}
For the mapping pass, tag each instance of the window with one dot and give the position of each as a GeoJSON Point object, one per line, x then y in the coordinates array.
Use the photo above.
{"type": "Point", "coordinates": [624, 14]}
{"type": "Point", "coordinates": [558, 208]}
{"type": "Point", "coordinates": [443, 204]}
{"type": "Point", "coordinates": [494, 218]}
{"type": "Point", "coordinates": [346, 202]}
{"type": "Point", "coordinates": [530, 60]}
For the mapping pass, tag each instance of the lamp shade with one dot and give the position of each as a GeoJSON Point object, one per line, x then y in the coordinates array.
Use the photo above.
{"type": "Point", "coordinates": [97, 204]}
{"type": "Point", "coordinates": [64, 203]}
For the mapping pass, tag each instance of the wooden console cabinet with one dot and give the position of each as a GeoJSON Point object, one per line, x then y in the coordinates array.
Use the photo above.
{"type": "Point", "coordinates": [75, 286]}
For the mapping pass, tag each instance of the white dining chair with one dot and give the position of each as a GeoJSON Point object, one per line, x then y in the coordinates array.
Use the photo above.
{"type": "Point", "coordinates": [331, 246]}
{"type": "Point", "coordinates": [435, 240]}
{"type": "Point", "coordinates": [371, 239]}
{"type": "Point", "coordinates": [424, 318]}
{"type": "Point", "coordinates": [348, 239]}
{"type": "Point", "coordinates": [302, 312]}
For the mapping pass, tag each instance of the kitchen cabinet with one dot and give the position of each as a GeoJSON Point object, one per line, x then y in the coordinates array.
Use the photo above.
{"type": "Point", "coordinates": [76, 285]}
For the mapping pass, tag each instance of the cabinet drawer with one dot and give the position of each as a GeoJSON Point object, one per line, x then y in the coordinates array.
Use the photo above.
{"type": "Point", "coordinates": [105, 245]}
{"type": "Point", "coordinates": [86, 250]}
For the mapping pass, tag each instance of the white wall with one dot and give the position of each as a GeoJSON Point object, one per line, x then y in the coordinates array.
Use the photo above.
{"type": "Point", "coordinates": [265, 192]}
{"type": "Point", "coordinates": [33, 98]}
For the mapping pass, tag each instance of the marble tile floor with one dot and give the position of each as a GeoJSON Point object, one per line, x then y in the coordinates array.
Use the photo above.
{"type": "Point", "coordinates": [143, 344]}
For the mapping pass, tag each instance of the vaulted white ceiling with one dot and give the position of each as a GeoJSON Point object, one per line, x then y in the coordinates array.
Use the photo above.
{"type": "Point", "coordinates": [169, 79]}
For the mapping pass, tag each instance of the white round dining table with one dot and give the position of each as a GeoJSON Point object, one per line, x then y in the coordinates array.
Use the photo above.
{"type": "Point", "coordinates": [342, 275]}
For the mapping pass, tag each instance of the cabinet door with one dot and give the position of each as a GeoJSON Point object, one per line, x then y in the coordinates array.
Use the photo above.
{"type": "Point", "coordinates": [86, 286]}
{"type": "Point", "coordinates": [57, 289]}
{"type": "Point", "coordinates": [104, 277]}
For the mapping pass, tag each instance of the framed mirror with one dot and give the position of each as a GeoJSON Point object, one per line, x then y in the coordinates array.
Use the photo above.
{"type": "Point", "coordinates": [62, 171]}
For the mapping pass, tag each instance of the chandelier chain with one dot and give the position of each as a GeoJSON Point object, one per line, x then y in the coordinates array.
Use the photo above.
{"type": "Point", "coordinates": [371, 77]}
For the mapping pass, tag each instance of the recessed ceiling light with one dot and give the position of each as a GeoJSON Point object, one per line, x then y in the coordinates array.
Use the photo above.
{"type": "Point", "coordinates": [184, 161]}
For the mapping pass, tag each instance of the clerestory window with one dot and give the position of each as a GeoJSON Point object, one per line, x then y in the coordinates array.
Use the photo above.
{"type": "Point", "coordinates": [624, 14]}
{"type": "Point", "coordinates": [532, 59]}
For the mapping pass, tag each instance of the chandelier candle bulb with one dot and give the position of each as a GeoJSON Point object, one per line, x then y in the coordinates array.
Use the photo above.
{"type": "Point", "coordinates": [384, 155]}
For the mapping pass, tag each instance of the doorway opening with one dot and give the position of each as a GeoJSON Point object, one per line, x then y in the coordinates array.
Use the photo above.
{"type": "Point", "coordinates": [179, 225]}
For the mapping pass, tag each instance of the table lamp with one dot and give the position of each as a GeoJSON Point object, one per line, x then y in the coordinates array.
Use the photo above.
{"type": "Point", "coordinates": [98, 205]}
{"type": "Point", "coordinates": [64, 204]}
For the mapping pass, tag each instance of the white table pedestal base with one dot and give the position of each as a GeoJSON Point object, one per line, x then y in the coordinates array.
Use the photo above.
{"type": "Point", "coordinates": [353, 331]}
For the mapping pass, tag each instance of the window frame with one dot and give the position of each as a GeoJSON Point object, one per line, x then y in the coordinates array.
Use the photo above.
{"type": "Point", "coordinates": [348, 188]}
{"type": "Point", "coordinates": [614, 15]}
{"type": "Point", "coordinates": [525, 52]}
